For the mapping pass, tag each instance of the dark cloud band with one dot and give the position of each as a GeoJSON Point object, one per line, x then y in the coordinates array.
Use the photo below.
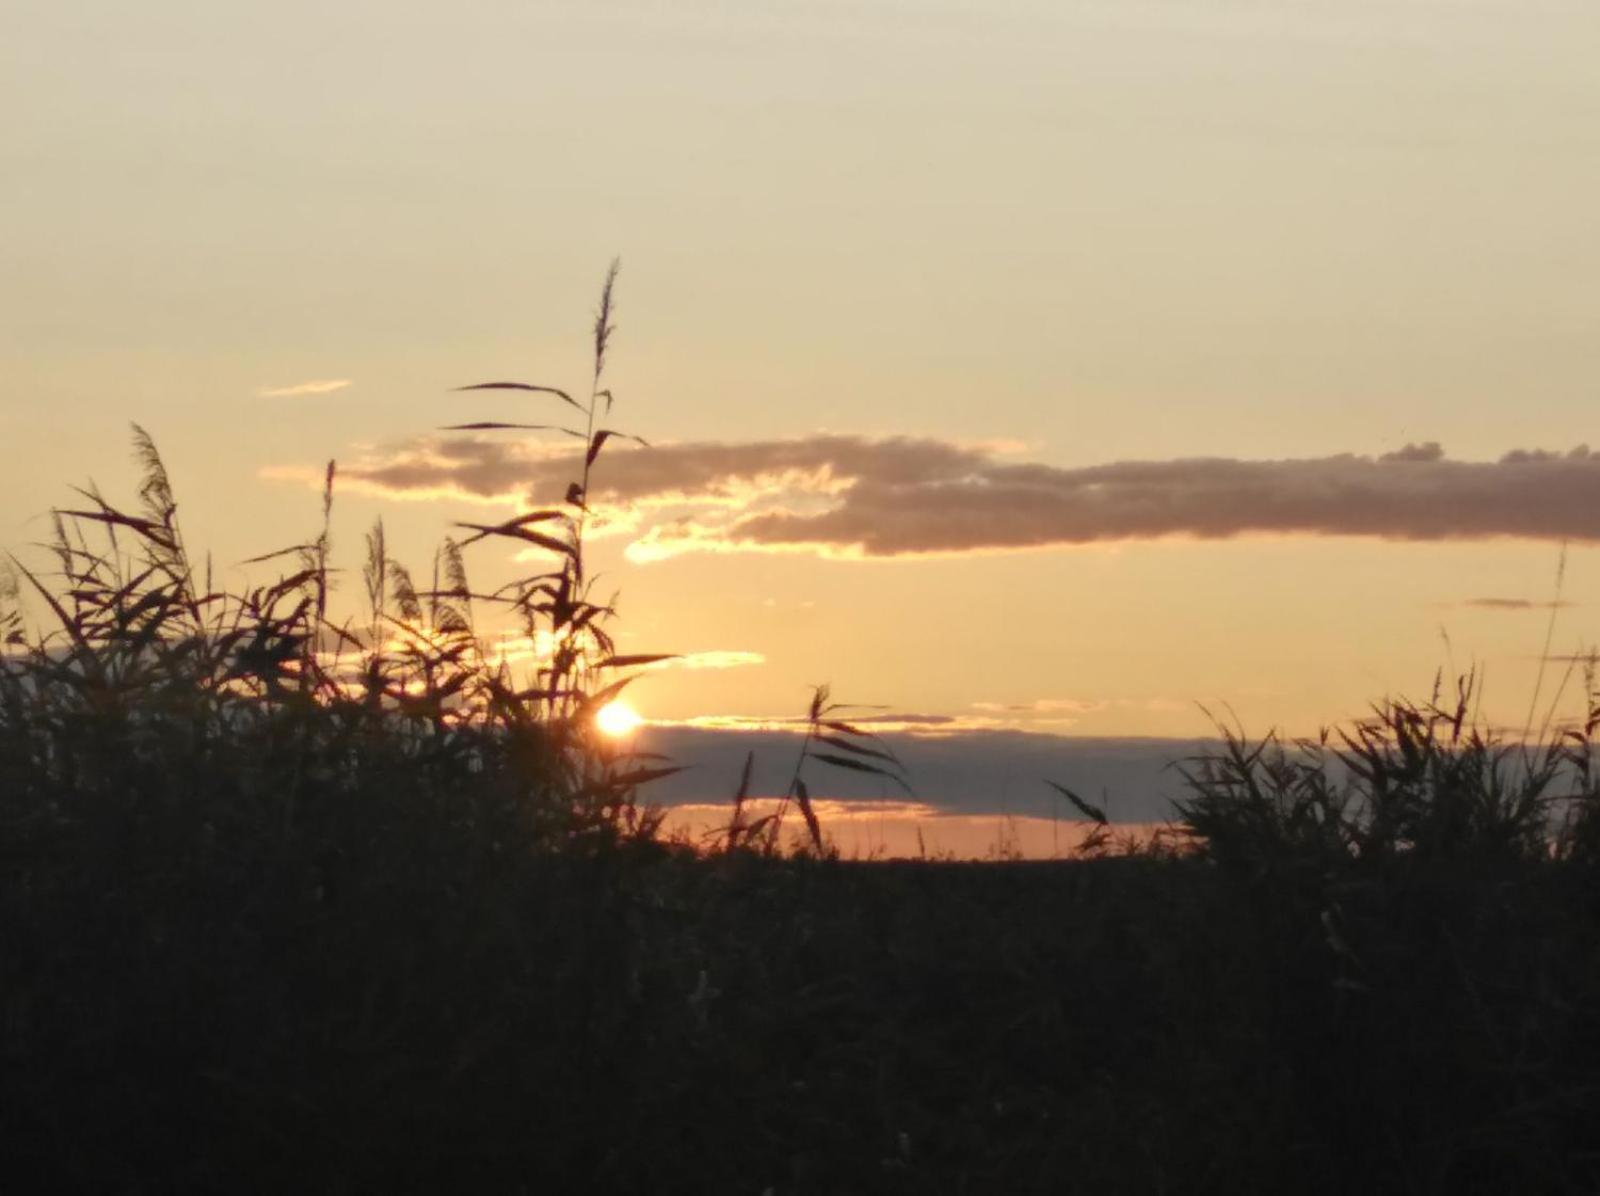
{"type": "Point", "coordinates": [900, 496]}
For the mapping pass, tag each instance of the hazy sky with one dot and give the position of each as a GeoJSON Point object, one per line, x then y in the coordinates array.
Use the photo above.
{"type": "Point", "coordinates": [934, 310]}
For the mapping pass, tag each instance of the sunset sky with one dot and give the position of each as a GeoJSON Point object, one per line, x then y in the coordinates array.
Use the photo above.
{"type": "Point", "coordinates": [1033, 366]}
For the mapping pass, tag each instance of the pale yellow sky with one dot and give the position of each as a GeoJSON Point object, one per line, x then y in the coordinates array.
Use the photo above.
{"type": "Point", "coordinates": [1098, 231]}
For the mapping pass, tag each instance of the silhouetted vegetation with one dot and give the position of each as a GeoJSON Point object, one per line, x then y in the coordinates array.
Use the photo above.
{"type": "Point", "coordinates": [296, 903]}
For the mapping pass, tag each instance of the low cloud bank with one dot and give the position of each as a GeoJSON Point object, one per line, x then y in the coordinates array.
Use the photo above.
{"type": "Point", "coordinates": [989, 773]}
{"type": "Point", "coordinates": [1513, 604]}
{"type": "Point", "coordinates": [859, 497]}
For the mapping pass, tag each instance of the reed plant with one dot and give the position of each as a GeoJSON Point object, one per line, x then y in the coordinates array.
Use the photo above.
{"type": "Point", "coordinates": [829, 739]}
{"type": "Point", "coordinates": [142, 652]}
{"type": "Point", "coordinates": [1413, 780]}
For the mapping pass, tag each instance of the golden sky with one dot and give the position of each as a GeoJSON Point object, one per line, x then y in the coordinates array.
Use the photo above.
{"type": "Point", "coordinates": [1045, 365]}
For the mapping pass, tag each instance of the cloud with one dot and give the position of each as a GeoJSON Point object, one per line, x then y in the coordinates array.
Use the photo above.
{"type": "Point", "coordinates": [1427, 451]}
{"type": "Point", "coordinates": [1513, 604]}
{"type": "Point", "coordinates": [852, 496]}
{"type": "Point", "coordinates": [966, 770]}
{"type": "Point", "coordinates": [712, 659]}
{"type": "Point", "coordinates": [1043, 713]}
{"type": "Point", "coordinates": [320, 386]}
{"type": "Point", "coordinates": [1046, 706]}
{"type": "Point", "coordinates": [519, 649]}
{"type": "Point", "coordinates": [920, 725]}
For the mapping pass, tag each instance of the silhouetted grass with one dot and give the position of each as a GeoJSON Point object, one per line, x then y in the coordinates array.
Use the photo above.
{"type": "Point", "coordinates": [290, 903]}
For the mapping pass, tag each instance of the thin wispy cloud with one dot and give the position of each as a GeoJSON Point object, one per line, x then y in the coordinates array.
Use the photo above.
{"type": "Point", "coordinates": [520, 649]}
{"type": "Point", "coordinates": [850, 496]}
{"type": "Point", "coordinates": [317, 386]}
{"type": "Point", "coordinates": [921, 725]}
{"type": "Point", "coordinates": [1045, 706]}
{"type": "Point", "coordinates": [714, 659]}
{"type": "Point", "coordinates": [1069, 711]}
{"type": "Point", "coordinates": [1049, 716]}
{"type": "Point", "coordinates": [1513, 604]}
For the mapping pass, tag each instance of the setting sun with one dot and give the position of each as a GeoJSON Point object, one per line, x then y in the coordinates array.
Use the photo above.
{"type": "Point", "coordinates": [617, 719]}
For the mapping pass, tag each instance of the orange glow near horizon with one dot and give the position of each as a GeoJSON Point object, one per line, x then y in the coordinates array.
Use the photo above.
{"type": "Point", "coordinates": [911, 830]}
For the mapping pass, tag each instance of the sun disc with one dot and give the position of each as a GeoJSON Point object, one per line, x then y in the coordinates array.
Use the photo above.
{"type": "Point", "coordinates": [616, 719]}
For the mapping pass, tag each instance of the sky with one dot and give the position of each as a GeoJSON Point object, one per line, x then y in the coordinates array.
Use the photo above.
{"type": "Point", "coordinates": [1069, 368]}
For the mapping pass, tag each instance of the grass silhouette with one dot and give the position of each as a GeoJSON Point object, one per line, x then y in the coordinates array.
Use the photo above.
{"type": "Point", "coordinates": [297, 902]}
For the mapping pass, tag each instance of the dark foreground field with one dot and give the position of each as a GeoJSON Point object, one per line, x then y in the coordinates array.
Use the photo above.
{"type": "Point", "coordinates": [291, 904]}
{"type": "Point", "coordinates": [412, 1005]}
